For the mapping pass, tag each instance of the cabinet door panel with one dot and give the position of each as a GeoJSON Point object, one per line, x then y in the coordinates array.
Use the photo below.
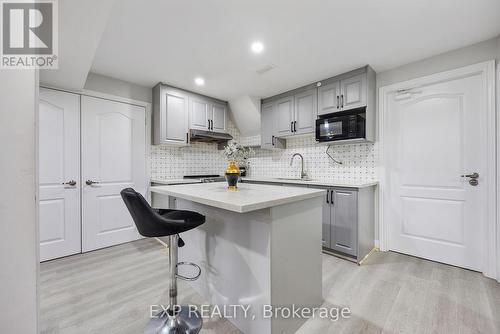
{"type": "Point", "coordinates": [218, 117]}
{"type": "Point", "coordinates": [267, 126]}
{"type": "Point", "coordinates": [198, 114]}
{"type": "Point", "coordinates": [353, 92]}
{"type": "Point", "coordinates": [328, 98]}
{"type": "Point", "coordinates": [175, 111]}
{"type": "Point", "coordinates": [306, 111]}
{"type": "Point", "coordinates": [344, 222]}
{"type": "Point", "coordinates": [284, 116]}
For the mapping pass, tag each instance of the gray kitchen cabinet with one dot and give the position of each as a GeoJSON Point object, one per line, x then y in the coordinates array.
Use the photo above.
{"type": "Point", "coordinates": [305, 111]}
{"type": "Point", "coordinates": [344, 221]}
{"type": "Point", "coordinates": [329, 98]}
{"type": "Point", "coordinates": [208, 115]}
{"type": "Point", "coordinates": [170, 116]}
{"type": "Point", "coordinates": [326, 225]}
{"type": "Point", "coordinates": [267, 125]}
{"type": "Point", "coordinates": [198, 113]}
{"type": "Point", "coordinates": [284, 110]}
{"type": "Point", "coordinates": [353, 92]}
{"type": "Point", "coordinates": [348, 219]}
{"type": "Point", "coordinates": [296, 111]}
{"type": "Point", "coordinates": [218, 116]}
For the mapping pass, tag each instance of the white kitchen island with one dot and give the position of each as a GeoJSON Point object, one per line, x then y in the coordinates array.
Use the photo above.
{"type": "Point", "coordinates": [260, 245]}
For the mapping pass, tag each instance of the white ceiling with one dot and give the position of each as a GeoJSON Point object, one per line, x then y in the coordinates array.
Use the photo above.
{"type": "Point", "coordinates": [175, 40]}
{"type": "Point", "coordinates": [81, 25]}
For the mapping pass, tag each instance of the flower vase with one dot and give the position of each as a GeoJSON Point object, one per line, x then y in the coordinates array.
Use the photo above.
{"type": "Point", "coordinates": [232, 175]}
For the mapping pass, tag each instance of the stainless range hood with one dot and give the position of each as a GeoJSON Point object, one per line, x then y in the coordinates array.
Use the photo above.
{"type": "Point", "coordinates": [210, 137]}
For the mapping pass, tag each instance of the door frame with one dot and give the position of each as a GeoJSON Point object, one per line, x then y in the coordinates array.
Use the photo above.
{"type": "Point", "coordinates": [491, 265]}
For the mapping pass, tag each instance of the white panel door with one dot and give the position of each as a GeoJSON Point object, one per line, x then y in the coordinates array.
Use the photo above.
{"type": "Point", "coordinates": [436, 134]}
{"type": "Point", "coordinates": [59, 163]}
{"type": "Point", "coordinates": [113, 158]}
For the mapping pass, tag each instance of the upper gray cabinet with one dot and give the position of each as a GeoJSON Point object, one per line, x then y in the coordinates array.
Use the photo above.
{"type": "Point", "coordinates": [353, 92]}
{"type": "Point", "coordinates": [329, 98]}
{"type": "Point", "coordinates": [292, 115]}
{"type": "Point", "coordinates": [170, 116]}
{"type": "Point", "coordinates": [268, 128]}
{"type": "Point", "coordinates": [176, 111]}
{"type": "Point", "coordinates": [206, 114]}
{"type": "Point", "coordinates": [305, 111]}
{"type": "Point", "coordinates": [198, 113]}
{"type": "Point", "coordinates": [218, 117]}
{"type": "Point", "coordinates": [284, 109]}
{"type": "Point", "coordinates": [344, 94]}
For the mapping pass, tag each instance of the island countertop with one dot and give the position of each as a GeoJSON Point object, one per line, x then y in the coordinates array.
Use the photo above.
{"type": "Point", "coordinates": [248, 197]}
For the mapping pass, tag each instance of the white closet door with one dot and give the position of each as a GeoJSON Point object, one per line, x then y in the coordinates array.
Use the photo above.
{"type": "Point", "coordinates": [59, 163]}
{"type": "Point", "coordinates": [114, 157]}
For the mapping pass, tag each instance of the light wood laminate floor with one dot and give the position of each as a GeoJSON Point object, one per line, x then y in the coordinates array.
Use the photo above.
{"type": "Point", "coordinates": [110, 291]}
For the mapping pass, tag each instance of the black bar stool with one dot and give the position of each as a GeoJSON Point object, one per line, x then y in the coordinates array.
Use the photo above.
{"type": "Point", "coordinates": [160, 223]}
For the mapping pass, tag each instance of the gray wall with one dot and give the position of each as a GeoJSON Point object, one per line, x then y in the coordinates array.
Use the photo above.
{"type": "Point", "coordinates": [108, 85]}
{"type": "Point", "coordinates": [18, 210]}
{"type": "Point", "coordinates": [469, 55]}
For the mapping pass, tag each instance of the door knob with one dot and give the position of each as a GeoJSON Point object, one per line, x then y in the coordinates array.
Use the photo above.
{"type": "Point", "coordinates": [90, 182]}
{"type": "Point", "coordinates": [70, 183]}
{"type": "Point", "coordinates": [473, 178]}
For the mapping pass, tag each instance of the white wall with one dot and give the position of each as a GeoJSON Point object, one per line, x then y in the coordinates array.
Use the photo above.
{"type": "Point", "coordinates": [469, 55]}
{"type": "Point", "coordinates": [18, 228]}
{"type": "Point", "coordinates": [112, 86]}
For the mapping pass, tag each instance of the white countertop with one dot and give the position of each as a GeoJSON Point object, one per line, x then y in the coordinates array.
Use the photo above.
{"type": "Point", "coordinates": [248, 197]}
{"type": "Point", "coordinates": [327, 183]}
{"type": "Point", "coordinates": [176, 181]}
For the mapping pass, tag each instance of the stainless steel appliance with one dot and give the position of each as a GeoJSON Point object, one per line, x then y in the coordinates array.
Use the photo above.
{"type": "Point", "coordinates": [207, 178]}
{"type": "Point", "coordinates": [334, 127]}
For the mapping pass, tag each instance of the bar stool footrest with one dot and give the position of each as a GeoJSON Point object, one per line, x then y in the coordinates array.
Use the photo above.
{"type": "Point", "coordinates": [185, 278]}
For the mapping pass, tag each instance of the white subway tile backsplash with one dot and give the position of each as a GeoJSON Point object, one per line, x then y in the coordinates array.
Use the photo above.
{"type": "Point", "coordinates": [359, 161]}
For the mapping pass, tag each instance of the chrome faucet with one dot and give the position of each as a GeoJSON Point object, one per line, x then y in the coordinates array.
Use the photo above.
{"type": "Point", "coordinates": [303, 174]}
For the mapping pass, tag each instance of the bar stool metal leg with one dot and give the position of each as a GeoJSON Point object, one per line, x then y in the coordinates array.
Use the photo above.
{"type": "Point", "coordinates": [179, 319]}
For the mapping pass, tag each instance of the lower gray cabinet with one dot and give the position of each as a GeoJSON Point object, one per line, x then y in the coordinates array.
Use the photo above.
{"type": "Point", "coordinates": [348, 221]}
{"type": "Point", "coordinates": [340, 220]}
{"type": "Point", "coordinates": [344, 221]}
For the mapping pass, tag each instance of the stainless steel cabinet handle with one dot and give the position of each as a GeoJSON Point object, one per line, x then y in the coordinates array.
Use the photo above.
{"type": "Point", "coordinates": [90, 182]}
{"type": "Point", "coordinates": [294, 126]}
{"type": "Point", "coordinates": [327, 192]}
{"type": "Point", "coordinates": [272, 140]}
{"type": "Point", "coordinates": [338, 103]}
{"type": "Point", "coordinates": [291, 126]}
{"type": "Point", "coordinates": [331, 197]}
{"type": "Point", "coordinates": [342, 101]}
{"type": "Point", "coordinates": [70, 183]}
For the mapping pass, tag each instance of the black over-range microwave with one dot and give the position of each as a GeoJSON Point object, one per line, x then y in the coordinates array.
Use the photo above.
{"type": "Point", "coordinates": [336, 126]}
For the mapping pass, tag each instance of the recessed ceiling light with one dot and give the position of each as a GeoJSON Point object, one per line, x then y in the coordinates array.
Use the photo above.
{"type": "Point", "coordinates": [257, 47]}
{"type": "Point", "coordinates": [199, 81]}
